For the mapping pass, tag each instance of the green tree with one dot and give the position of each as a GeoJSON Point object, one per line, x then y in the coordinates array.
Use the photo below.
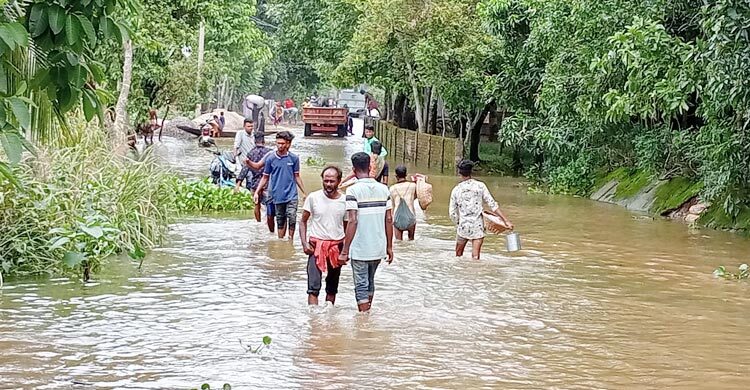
{"type": "Point", "coordinates": [48, 67]}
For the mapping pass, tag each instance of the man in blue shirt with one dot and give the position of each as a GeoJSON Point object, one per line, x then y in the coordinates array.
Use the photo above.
{"type": "Point", "coordinates": [369, 232]}
{"type": "Point", "coordinates": [252, 178]}
{"type": "Point", "coordinates": [282, 170]}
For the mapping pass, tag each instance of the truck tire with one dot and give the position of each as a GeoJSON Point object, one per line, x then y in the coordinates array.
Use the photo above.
{"type": "Point", "coordinates": [341, 131]}
{"type": "Point", "coordinates": [308, 129]}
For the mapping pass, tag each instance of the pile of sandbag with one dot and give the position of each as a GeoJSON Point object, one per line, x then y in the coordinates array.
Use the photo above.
{"type": "Point", "coordinates": [171, 130]}
{"type": "Point", "coordinates": [233, 121]}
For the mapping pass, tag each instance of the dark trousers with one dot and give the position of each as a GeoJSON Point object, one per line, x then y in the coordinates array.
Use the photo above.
{"type": "Point", "coordinates": [314, 277]}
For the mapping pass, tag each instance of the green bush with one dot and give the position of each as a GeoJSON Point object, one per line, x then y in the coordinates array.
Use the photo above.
{"type": "Point", "coordinates": [76, 205]}
{"type": "Point", "coordinates": [574, 178]}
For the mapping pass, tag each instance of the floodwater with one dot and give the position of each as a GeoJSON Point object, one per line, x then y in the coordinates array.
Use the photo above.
{"type": "Point", "coordinates": [598, 298]}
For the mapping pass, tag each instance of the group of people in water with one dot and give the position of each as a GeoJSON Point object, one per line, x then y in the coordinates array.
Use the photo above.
{"type": "Point", "coordinates": [354, 226]}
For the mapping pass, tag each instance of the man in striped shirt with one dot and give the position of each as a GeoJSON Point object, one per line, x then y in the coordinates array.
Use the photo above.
{"type": "Point", "coordinates": [369, 233]}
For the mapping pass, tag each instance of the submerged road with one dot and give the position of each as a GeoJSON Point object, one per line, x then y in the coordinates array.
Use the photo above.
{"type": "Point", "coordinates": [597, 299]}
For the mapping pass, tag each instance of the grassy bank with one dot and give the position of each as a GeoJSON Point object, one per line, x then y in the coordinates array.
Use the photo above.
{"type": "Point", "coordinates": [669, 195]}
{"type": "Point", "coordinates": [76, 205]}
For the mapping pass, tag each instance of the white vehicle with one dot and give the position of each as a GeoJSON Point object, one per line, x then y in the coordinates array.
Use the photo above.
{"type": "Point", "coordinates": [353, 99]}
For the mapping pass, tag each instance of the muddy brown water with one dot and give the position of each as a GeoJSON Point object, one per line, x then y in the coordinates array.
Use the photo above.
{"type": "Point", "coordinates": [598, 298]}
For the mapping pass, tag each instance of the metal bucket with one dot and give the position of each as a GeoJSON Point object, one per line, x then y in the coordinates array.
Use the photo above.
{"type": "Point", "coordinates": [513, 242]}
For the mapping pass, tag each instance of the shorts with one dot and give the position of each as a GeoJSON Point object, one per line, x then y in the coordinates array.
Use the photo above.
{"type": "Point", "coordinates": [286, 214]}
{"type": "Point", "coordinates": [246, 176]}
{"type": "Point", "coordinates": [383, 173]}
{"type": "Point", "coordinates": [462, 240]}
{"type": "Point", "coordinates": [267, 204]}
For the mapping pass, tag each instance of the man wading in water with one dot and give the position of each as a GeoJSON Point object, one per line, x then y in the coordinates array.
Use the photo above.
{"type": "Point", "coordinates": [252, 176]}
{"type": "Point", "coordinates": [378, 165]}
{"type": "Point", "coordinates": [369, 233]}
{"type": "Point", "coordinates": [369, 134]}
{"type": "Point", "coordinates": [404, 192]}
{"type": "Point", "coordinates": [327, 207]}
{"type": "Point", "coordinates": [282, 169]}
{"type": "Point", "coordinates": [465, 210]}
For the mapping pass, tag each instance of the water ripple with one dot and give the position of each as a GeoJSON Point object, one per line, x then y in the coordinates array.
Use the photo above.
{"type": "Point", "coordinates": [595, 300]}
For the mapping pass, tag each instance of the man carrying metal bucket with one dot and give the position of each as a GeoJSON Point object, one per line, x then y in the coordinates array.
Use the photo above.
{"type": "Point", "coordinates": [466, 210]}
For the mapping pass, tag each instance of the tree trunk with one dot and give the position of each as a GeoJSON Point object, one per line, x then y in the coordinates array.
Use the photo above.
{"type": "Point", "coordinates": [517, 164]}
{"type": "Point", "coordinates": [494, 127]}
{"type": "Point", "coordinates": [398, 109]}
{"type": "Point", "coordinates": [405, 113]}
{"type": "Point", "coordinates": [229, 100]}
{"type": "Point", "coordinates": [224, 92]}
{"type": "Point", "coordinates": [426, 113]}
{"type": "Point", "coordinates": [475, 130]}
{"type": "Point", "coordinates": [418, 112]}
{"type": "Point", "coordinates": [408, 118]}
{"type": "Point", "coordinates": [443, 116]}
{"type": "Point", "coordinates": [415, 96]}
{"type": "Point", "coordinates": [201, 41]}
{"type": "Point", "coordinates": [433, 116]}
{"type": "Point", "coordinates": [120, 127]}
{"type": "Point", "coordinates": [387, 101]}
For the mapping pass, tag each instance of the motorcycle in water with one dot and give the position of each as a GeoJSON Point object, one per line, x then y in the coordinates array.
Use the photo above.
{"type": "Point", "coordinates": [204, 134]}
{"type": "Point", "coordinates": [205, 140]}
{"type": "Point", "coordinates": [222, 168]}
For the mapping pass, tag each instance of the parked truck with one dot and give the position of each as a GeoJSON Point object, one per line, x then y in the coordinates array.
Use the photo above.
{"type": "Point", "coordinates": [332, 120]}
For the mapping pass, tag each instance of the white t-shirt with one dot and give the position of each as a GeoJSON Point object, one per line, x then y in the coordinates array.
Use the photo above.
{"type": "Point", "coordinates": [327, 216]}
{"type": "Point", "coordinates": [244, 142]}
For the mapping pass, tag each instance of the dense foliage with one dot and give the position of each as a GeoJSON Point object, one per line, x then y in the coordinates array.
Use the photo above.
{"type": "Point", "coordinates": [234, 58]}
{"type": "Point", "coordinates": [655, 85]}
{"type": "Point", "coordinates": [48, 67]}
{"type": "Point", "coordinates": [76, 205]}
{"type": "Point", "coordinates": [308, 40]}
{"type": "Point", "coordinates": [583, 87]}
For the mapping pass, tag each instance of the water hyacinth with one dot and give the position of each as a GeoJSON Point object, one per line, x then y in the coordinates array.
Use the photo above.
{"type": "Point", "coordinates": [743, 272]}
{"type": "Point", "coordinates": [204, 196]}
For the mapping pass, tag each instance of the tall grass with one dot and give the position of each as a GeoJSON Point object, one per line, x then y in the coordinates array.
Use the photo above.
{"type": "Point", "coordinates": [80, 203]}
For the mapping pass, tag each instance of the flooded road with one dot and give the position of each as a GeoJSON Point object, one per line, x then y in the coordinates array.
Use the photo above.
{"type": "Point", "coordinates": [598, 298]}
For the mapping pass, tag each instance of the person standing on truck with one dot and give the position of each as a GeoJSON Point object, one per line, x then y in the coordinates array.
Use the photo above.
{"type": "Point", "coordinates": [372, 105]}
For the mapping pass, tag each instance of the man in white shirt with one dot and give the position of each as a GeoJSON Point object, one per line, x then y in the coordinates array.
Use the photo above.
{"type": "Point", "coordinates": [244, 141]}
{"type": "Point", "coordinates": [369, 231]}
{"type": "Point", "coordinates": [465, 210]}
{"type": "Point", "coordinates": [326, 211]}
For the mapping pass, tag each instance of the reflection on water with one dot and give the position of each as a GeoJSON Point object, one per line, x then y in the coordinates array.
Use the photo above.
{"type": "Point", "coordinates": [597, 299]}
